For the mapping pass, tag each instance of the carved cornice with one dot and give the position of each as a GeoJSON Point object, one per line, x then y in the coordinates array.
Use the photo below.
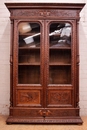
{"type": "Point", "coordinates": [44, 13]}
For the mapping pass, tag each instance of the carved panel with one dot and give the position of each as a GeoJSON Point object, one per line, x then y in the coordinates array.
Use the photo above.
{"type": "Point", "coordinates": [28, 97]}
{"type": "Point", "coordinates": [44, 13]}
{"type": "Point", "coordinates": [26, 112]}
{"type": "Point", "coordinates": [62, 112]}
{"type": "Point", "coordinates": [59, 97]}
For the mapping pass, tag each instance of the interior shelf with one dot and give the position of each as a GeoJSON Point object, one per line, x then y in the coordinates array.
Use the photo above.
{"type": "Point", "coordinates": [31, 48]}
{"type": "Point", "coordinates": [59, 64]}
{"type": "Point", "coordinates": [28, 34]}
{"type": "Point", "coordinates": [31, 64]}
{"type": "Point", "coordinates": [60, 48]}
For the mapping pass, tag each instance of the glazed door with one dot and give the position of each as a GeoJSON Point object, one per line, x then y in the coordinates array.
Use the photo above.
{"type": "Point", "coordinates": [29, 64]}
{"type": "Point", "coordinates": [59, 67]}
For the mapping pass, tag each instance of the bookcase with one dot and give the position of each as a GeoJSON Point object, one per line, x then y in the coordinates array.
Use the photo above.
{"type": "Point", "coordinates": [44, 63]}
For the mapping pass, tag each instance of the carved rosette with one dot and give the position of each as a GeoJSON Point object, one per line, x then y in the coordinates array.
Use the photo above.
{"type": "Point", "coordinates": [28, 97]}
{"type": "Point", "coordinates": [60, 98]}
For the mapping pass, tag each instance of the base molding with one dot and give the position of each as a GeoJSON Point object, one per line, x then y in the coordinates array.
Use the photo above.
{"type": "Point", "coordinates": [21, 120]}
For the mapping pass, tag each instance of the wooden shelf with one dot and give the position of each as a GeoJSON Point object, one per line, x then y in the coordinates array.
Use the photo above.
{"type": "Point", "coordinates": [60, 48]}
{"type": "Point", "coordinates": [28, 34]}
{"type": "Point", "coordinates": [59, 64]}
{"type": "Point", "coordinates": [32, 48]}
{"type": "Point", "coordinates": [29, 64]}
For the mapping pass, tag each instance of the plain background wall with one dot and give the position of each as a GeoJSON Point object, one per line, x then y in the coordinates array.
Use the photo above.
{"type": "Point", "coordinates": [5, 54]}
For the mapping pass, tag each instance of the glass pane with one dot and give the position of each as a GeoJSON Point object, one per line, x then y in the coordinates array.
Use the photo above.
{"type": "Point", "coordinates": [28, 74]}
{"type": "Point", "coordinates": [60, 53]}
{"type": "Point", "coordinates": [59, 75]}
{"type": "Point", "coordinates": [60, 56]}
{"type": "Point", "coordinates": [29, 53]}
{"type": "Point", "coordinates": [29, 56]}
{"type": "Point", "coordinates": [60, 35]}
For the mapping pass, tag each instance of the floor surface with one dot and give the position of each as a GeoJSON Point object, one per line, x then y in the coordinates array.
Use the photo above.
{"type": "Point", "coordinates": [4, 126]}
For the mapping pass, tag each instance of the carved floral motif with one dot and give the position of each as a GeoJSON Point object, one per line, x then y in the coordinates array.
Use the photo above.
{"type": "Point", "coordinates": [60, 97]}
{"type": "Point", "coordinates": [28, 97]}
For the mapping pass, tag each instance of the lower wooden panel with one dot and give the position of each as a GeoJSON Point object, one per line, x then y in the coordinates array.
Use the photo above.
{"type": "Point", "coordinates": [59, 98]}
{"type": "Point", "coordinates": [39, 112]}
{"type": "Point", "coordinates": [28, 97]}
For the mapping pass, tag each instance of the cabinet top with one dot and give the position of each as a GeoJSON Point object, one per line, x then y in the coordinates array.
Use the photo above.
{"type": "Point", "coordinates": [76, 6]}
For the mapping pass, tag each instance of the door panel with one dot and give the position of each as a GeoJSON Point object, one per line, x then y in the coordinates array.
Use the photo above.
{"type": "Point", "coordinates": [60, 97]}
{"type": "Point", "coordinates": [29, 64]}
{"type": "Point", "coordinates": [26, 97]}
{"type": "Point", "coordinates": [59, 65]}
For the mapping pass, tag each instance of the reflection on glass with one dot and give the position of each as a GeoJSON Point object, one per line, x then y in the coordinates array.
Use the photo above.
{"type": "Point", "coordinates": [29, 34]}
{"type": "Point", "coordinates": [60, 35]}
{"type": "Point", "coordinates": [29, 53]}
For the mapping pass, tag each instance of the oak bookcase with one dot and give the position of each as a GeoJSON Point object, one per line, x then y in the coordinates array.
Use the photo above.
{"type": "Point", "coordinates": [44, 63]}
